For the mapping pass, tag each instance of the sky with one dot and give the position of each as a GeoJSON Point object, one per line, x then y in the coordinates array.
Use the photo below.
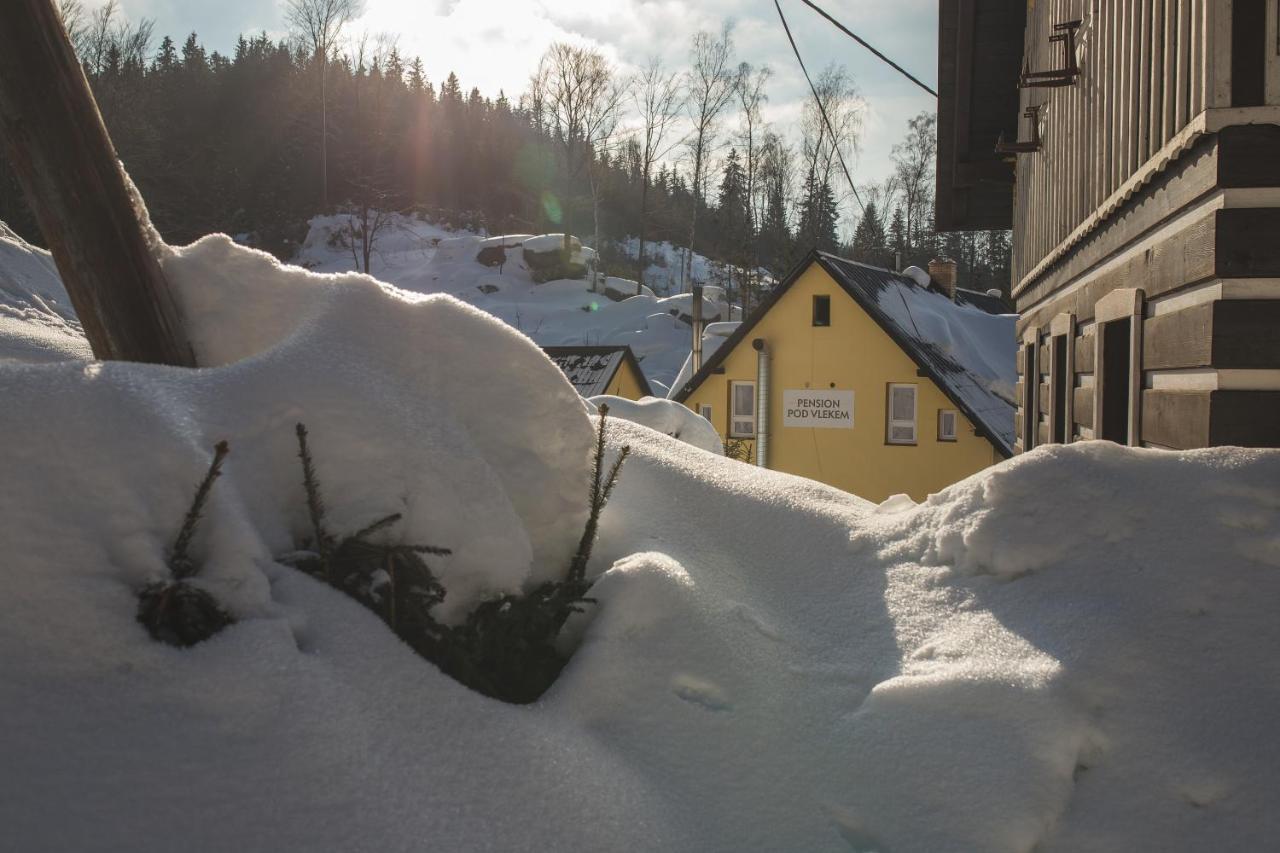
{"type": "Point", "coordinates": [495, 44]}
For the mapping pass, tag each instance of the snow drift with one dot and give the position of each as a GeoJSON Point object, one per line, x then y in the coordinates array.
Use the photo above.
{"type": "Point", "coordinates": [37, 322]}
{"type": "Point", "coordinates": [1071, 651]}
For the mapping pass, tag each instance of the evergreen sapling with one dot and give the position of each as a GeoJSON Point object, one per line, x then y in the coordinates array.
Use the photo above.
{"type": "Point", "coordinates": [174, 611]}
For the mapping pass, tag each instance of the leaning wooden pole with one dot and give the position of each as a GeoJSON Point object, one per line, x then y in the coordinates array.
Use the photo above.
{"type": "Point", "coordinates": [53, 137]}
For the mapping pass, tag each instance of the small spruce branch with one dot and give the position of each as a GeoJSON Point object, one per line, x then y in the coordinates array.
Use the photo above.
{"type": "Point", "coordinates": [601, 488]}
{"type": "Point", "coordinates": [180, 565]}
{"type": "Point", "coordinates": [315, 504]}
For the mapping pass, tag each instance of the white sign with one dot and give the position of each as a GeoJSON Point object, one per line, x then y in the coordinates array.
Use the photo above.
{"type": "Point", "coordinates": [817, 409]}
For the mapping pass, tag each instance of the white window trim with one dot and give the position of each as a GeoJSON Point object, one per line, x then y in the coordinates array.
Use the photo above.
{"type": "Point", "coordinates": [734, 418]}
{"type": "Point", "coordinates": [890, 423]}
{"type": "Point", "coordinates": [955, 425]}
{"type": "Point", "coordinates": [705, 410]}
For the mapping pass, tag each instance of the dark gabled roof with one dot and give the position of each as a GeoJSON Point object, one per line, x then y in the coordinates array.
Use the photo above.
{"type": "Point", "coordinates": [983, 301]}
{"type": "Point", "coordinates": [591, 369]}
{"type": "Point", "coordinates": [990, 413]}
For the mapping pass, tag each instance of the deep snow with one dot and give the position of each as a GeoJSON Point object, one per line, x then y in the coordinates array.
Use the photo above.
{"type": "Point", "coordinates": [421, 257]}
{"type": "Point", "coordinates": [1073, 650]}
{"type": "Point", "coordinates": [37, 322]}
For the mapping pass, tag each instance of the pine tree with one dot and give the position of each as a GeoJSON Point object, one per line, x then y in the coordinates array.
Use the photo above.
{"type": "Point", "coordinates": [817, 226]}
{"type": "Point", "coordinates": [869, 243]}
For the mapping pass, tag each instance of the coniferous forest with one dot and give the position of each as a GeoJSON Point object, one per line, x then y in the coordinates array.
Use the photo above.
{"type": "Point", "coordinates": [256, 142]}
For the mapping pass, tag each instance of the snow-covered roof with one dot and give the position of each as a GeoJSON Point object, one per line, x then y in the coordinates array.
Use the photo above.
{"type": "Point", "coordinates": [591, 369]}
{"type": "Point", "coordinates": [969, 354]}
{"type": "Point", "coordinates": [991, 301]}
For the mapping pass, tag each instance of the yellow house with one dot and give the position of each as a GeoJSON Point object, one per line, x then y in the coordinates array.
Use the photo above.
{"type": "Point", "coordinates": [875, 382]}
{"type": "Point", "coordinates": [601, 370]}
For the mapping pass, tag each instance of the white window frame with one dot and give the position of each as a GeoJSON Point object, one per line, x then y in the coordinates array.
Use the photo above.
{"type": "Point", "coordinates": [736, 420]}
{"type": "Point", "coordinates": [891, 423]}
{"type": "Point", "coordinates": [704, 409]}
{"type": "Point", "coordinates": [955, 425]}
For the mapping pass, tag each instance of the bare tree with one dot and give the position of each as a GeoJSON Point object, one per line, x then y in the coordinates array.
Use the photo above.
{"type": "Point", "coordinates": [371, 207]}
{"type": "Point", "coordinates": [105, 35]}
{"type": "Point", "coordinates": [659, 100]}
{"type": "Point", "coordinates": [318, 24]}
{"type": "Point", "coordinates": [602, 145]}
{"type": "Point", "coordinates": [751, 97]}
{"type": "Point", "coordinates": [838, 97]}
{"type": "Point", "coordinates": [574, 89]}
{"type": "Point", "coordinates": [711, 83]}
{"type": "Point", "coordinates": [73, 20]}
{"type": "Point", "coordinates": [913, 160]}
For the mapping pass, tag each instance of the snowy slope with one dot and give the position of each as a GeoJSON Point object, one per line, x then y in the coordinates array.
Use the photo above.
{"type": "Point", "coordinates": [37, 322]}
{"type": "Point", "coordinates": [421, 257]}
{"type": "Point", "coordinates": [1073, 650]}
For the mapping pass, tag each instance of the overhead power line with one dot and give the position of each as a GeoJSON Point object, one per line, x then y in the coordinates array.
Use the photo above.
{"type": "Point", "coordinates": [835, 139]}
{"type": "Point", "coordinates": [851, 34]}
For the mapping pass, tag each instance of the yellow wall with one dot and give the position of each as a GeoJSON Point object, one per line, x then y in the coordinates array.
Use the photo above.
{"type": "Point", "coordinates": [853, 353]}
{"type": "Point", "coordinates": [625, 383]}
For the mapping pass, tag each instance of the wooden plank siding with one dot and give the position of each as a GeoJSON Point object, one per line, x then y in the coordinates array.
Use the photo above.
{"type": "Point", "coordinates": [1230, 243]}
{"type": "Point", "coordinates": [1148, 68]}
{"type": "Point", "coordinates": [1240, 334]}
{"type": "Point", "coordinates": [1082, 406]}
{"type": "Point", "coordinates": [1182, 420]}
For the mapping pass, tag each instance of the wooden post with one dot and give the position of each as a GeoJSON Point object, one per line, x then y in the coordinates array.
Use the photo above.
{"type": "Point", "coordinates": [54, 138]}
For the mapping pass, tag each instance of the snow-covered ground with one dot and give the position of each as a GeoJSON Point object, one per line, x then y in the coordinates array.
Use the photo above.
{"type": "Point", "coordinates": [37, 321]}
{"type": "Point", "coordinates": [1071, 651]}
{"type": "Point", "coordinates": [421, 257]}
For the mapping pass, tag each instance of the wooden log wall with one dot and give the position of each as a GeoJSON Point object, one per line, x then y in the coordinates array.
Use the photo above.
{"type": "Point", "coordinates": [1148, 67]}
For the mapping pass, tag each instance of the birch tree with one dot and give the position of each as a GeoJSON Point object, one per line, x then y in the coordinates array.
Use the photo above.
{"type": "Point", "coordinates": [574, 89]}
{"type": "Point", "coordinates": [658, 99]}
{"type": "Point", "coordinates": [318, 24]}
{"type": "Point", "coordinates": [711, 83]}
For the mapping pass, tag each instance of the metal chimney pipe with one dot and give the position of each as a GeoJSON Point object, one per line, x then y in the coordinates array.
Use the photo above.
{"type": "Point", "coordinates": [697, 328]}
{"type": "Point", "coordinates": [762, 402]}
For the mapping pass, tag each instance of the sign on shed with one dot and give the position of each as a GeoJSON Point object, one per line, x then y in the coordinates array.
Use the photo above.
{"type": "Point", "coordinates": [817, 409]}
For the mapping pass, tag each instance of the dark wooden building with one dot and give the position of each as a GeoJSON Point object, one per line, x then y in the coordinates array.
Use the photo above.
{"type": "Point", "coordinates": [1133, 146]}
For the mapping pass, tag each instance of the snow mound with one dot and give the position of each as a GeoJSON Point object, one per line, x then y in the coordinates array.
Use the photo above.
{"type": "Point", "coordinates": [665, 416]}
{"type": "Point", "coordinates": [1070, 651]}
{"type": "Point", "coordinates": [37, 322]}
{"type": "Point", "coordinates": [347, 356]}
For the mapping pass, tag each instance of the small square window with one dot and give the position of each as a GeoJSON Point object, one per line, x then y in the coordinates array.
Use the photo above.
{"type": "Point", "coordinates": [705, 410]}
{"type": "Point", "coordinates": [947, 424]}
{"type": "Point", "coordinates": [900, 426]}
{"type": "Point", "coordinates": [822, 310]}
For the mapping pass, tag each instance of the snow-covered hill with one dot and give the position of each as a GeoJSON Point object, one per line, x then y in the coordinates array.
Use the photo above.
{"type": "Point", "coordinates": [1071, 651]}
{"type": "Point", "coordinates": [38, 324]}
{"type": "Point", "coordinates": [423, 258]}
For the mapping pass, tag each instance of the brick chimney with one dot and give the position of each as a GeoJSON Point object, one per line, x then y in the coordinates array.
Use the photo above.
{"type": "Point", "coordinates": [943, 273]}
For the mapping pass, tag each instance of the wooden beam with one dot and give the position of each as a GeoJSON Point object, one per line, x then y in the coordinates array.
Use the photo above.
{"type": "Point", "coordinates": [1244, 418]}
{"type": "Point", "coordinates": [1176, 419]}
{"type": "Point", "coordinates": [57, 145]}
{"type": "Point", "coordinates": [1180, 339]}
{"type": "Point", "coordinates": [1082, 405]}
{"type": "Point", "coordinates": [1084, 354]}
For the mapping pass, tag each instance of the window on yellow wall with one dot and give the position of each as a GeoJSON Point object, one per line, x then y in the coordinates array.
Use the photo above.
{"type": "Point", "coordinates": [822, 310]}
{"type": "Point", "coordinates": [901, 425]}
{"type": "Point", "coordinates": [742, 399]}
{"type": "Point", "coordinates": [704, 409]}
{"type": "Point", "coordinates": [947, 419]}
